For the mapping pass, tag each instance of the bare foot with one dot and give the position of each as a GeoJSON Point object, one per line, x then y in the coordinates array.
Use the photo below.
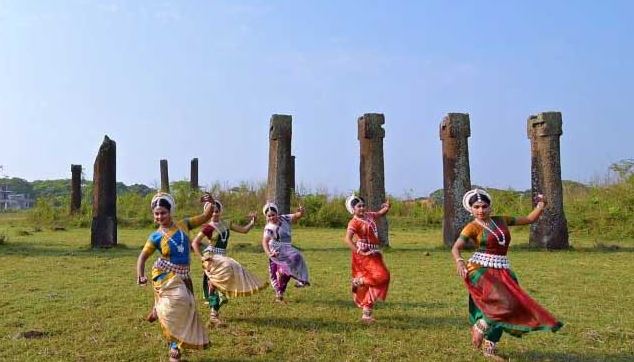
{"type": "Point", "coordinates": [152, 316]}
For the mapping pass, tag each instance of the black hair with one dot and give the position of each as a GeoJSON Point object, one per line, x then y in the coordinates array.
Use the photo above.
{"type": "Point", "coordinates": [479, 197]}
{"type": "Point", "coordinates": [163, 203]}
{"type": "Point", "coordinates": [356, 200]}
{"type": "Point", "coordinates": [270, 208]}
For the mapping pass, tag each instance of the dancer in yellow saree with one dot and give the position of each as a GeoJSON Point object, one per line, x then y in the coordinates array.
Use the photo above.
{"type": "Point", "coordinates": [174, 304]}
{"type": "Point", "coordinates": [223, 276]}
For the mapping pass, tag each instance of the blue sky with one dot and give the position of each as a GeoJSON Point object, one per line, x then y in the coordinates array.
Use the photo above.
{"type": "Point", "coordinates": [184, 79]}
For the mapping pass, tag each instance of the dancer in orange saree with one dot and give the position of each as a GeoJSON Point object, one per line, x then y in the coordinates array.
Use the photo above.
{"type": "Point", "coordinates": [497, 303]}
{"type": "Point", "coordinates": [370, 277]}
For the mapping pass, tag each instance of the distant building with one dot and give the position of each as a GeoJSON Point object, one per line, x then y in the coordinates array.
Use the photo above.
{"type": "Point", "coordinates": [9, 200]}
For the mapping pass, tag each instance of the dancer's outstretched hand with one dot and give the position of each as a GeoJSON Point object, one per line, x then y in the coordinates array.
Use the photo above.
{"type": "Point", "coordinates": [386, 205]}
{"type": "Point", "coordinates": [540, 201]}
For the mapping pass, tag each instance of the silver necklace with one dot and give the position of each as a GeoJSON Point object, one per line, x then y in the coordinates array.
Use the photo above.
{"type": "Point", "coordinates": [370, 223]}
{"type": "Point", "coordinates": [180, 247]}
{"type": "Point", "coordinates": [497, 228]}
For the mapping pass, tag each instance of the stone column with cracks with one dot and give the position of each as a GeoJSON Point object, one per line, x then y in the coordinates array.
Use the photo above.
{"type": "Point", "coordinates": [104, 203]}
{"type": "Point", "coordinates": [455, 130]}
{"type": "Point", "coordinates": [75, 189]}
{"type": "Point", "coordinates": [280, 162]}
{"type": "Point", "coordinates": [371, 167]}
{"type": "Point", "coordinates": [551, 230]}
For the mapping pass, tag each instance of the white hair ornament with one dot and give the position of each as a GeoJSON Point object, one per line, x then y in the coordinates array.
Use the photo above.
{"type": "Point", "coordinates": [478, 193]}
{"type": "Point", "coordinates": [349, 201]}
{"type": "Point", "coordinates": [164, 196]}
{"type": "Point", "coordinates": [269, 206]}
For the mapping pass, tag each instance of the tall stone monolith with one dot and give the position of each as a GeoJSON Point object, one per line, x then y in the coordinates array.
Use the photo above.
{"type": "Point", "coordinates": [454, 133]}
{"type": "Point", "coordinates": [104, 199]}
{"type": "Point", "coordinates": [291, 175]}
{"type": "Point", "coordinates": [371, 167]}
{"type": "Point", "coordinates": [551, 230]}
{"type": "Point", "coordinates": [165, 179]}
{"type": "Point", "coordinates": [75, 189]}
{"type": "Point", "coordinates": [280, 162]}
{"type": "Point", "coordinates": [194, 174]}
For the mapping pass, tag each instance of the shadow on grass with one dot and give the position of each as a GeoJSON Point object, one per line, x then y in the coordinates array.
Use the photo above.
{"type": "Point", "coordinates": [384, 321]}
{"type": "Point", "coordinates": [596, 248]}
{"type": "Point", "coordinates": [30, 249]}
{"type": "Point", "coordinates": [561, 356]}
{"type": "Point", "coordinates": [347, 303]}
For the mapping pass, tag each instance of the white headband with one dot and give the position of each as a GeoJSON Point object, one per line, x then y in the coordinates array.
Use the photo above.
{"type": "Point", "coordinates": [164, 196]}
{"type": "Point", "coordinates": [269, 205]}
{"type": "Point", "coordinates": [349, 201]}
{"type": "Point", "coordinates": [469, 194]}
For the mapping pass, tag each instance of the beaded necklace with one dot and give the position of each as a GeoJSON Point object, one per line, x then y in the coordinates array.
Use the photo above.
{"type": "Point", "coordinates": [501, 241]}
{"type": "Point", "coordinates": [179, 246]}
{"type": "Point", "coordinates": [371, 224]}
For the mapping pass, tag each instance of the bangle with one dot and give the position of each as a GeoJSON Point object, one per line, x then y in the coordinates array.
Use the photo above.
{"type": "Point", "coordinates": [459, 260]}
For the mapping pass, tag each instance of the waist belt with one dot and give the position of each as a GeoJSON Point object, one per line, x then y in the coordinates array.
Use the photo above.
{"type": "Point", "coordinates": [490, 260]}
{"type": "Point", "coordinates": [167, 266]}
{"type": "Point", "coordinates": [214, 250]}
{"type": "Point", "coordinates": [362, 246]}
{"type": "Point", "coordinates": [277, 245]}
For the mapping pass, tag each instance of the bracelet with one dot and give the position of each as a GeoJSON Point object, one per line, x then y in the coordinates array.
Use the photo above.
{"type": "Point", "coordinates": [459, 260]}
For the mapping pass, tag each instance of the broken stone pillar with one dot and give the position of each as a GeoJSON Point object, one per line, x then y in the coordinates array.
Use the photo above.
{"type": "Point", "coordinates": [371, 167]}
{"type": "Point", "coordinates": [165, 180]}
{"type": "Point", "coordinates": [75, 189]}
{"type": "Point", "coordinates": [280, 162]}
{"type": "Point", "coordinates": [454, 133]}
{"type": "Point", "coordinates": [551, 230]}
{"type": "Point", "coordinates": [104, 199]}
{"type": "Point", "coordinates": [194, 174]}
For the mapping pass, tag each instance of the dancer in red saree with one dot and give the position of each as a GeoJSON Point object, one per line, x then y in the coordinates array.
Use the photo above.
{"type": "Point", "coordinates": [370, 277]}
{"type": "Point", "coordinates": [497, 303]}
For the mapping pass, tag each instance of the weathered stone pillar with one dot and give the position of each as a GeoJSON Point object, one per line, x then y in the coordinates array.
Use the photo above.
{"type": "Point", "coordinates": [371, 167]}
{"type": "Point", "coordinates": [194, 174]}
{"type": "Point", "coordinates": [280, 165]}
{"type": "Point", "coordinates": [551, 230]}
{"type": "Point", "coordinates": [454, 133]}
{"type": "Point", "coordinates": [104, 199]}
{"type": "Point", "coordinates": [165, 180]}
{"type": "Point", "coordinates": [291, 175]}
{"type": "Point", "coordinates": [75, 189]}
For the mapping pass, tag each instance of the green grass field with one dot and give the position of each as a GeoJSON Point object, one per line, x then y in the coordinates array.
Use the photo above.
{"type": "Point", "coordinates": [88, 308]}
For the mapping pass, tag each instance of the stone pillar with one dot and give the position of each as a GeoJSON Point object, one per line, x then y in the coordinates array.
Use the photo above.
{"type": "Point", "coordinates": [104, 199]}
{"type": "Point", "coordinates": [371, 167]}
{"type": "Point", "coordinates": [291, 175]}
{"type": "Point", "coordinates": [75, 189]}
{"type": "Point", "coordinates": [551, 230]}
{"type": "Point", "coordinates": [165, 180]}
{"type": "Point", "coordinates": [194, 174]}
{"type": "Point", "coordinates": [280, 164]}
{"type": "Point", "coordinates": [454, 133]}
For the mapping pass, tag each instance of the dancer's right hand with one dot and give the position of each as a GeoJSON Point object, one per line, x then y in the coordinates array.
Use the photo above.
{"type": "Point", "coordinates": [461, 268]}
{"type": "Point", "coordinates": [273, 253]}
{"type": "Point", "coordinates": [141, 280]}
